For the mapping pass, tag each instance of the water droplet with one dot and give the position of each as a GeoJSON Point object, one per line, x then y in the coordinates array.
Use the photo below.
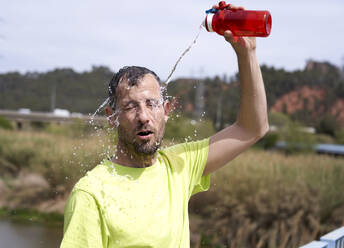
{"type": "Point", "coordinates": [99, 108]}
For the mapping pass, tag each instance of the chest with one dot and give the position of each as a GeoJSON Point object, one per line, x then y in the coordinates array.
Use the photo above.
{"type": "Point", "coordinates": [149, 209]}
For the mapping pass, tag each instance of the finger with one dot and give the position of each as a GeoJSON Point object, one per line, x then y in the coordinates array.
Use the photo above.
{"type": "Point", "coordinates": [241, 41]}
{"type": "Point", "coordinates": [233, 7]}
{"type": "Point", "coordinates": [230, 37]}
{"type": "Point", "coordinates": [215, 6]}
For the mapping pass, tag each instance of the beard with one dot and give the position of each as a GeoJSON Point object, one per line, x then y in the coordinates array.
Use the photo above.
{"type": "Point", "coordinates": [142, 148]}
{"type": "Point", "coordinates": [146, 148]}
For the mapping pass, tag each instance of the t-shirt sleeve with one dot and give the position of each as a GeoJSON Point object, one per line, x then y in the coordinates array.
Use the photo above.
{"type": "Point", "coordinates": [196, 155]}
{"type": "Point", "coordinates": [82, 222]}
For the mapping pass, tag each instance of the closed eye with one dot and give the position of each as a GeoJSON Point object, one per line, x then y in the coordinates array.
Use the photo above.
{"type": "Point", "coordinates": [130, 107]}
{"type": "Point", "coordinates": [152, 103]}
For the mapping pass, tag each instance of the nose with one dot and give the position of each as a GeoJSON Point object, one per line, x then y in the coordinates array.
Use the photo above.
{"type": "Point", "coordinates": [143, 115]}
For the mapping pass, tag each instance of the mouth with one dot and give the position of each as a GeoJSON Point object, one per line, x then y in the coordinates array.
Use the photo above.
{"type": "Point", "coordinates": [144, 134]}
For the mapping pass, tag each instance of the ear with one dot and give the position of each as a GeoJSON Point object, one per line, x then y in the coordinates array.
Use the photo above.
{"type": "Point", "coordinates": [167, 107]}
{"type": "Point", "coordinates": [110, 115]}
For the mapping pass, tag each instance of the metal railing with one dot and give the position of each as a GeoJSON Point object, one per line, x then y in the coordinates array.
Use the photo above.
{"type": "Point", "coordinates": [47, 117]}
{"type": "Point", "coordinates": [334, 239]}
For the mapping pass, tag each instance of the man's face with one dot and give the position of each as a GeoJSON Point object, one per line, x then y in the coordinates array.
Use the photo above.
{"type": "Point", "coordinates": [141, 114]}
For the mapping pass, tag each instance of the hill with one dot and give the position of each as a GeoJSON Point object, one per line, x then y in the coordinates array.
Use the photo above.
{"type": "Point", "coordinates": [311, 96]}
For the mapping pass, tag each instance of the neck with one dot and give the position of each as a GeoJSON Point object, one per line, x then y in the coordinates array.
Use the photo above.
{"type": "Point", "coordinates": [128, 157]}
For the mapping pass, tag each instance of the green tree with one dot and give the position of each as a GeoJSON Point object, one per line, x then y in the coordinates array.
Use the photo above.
{"type": "Point", "coordinates": [297, 140]}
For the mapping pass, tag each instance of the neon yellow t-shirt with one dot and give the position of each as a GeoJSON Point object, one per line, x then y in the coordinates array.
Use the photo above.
{"type": "Point", "coordinates": [119, 206]}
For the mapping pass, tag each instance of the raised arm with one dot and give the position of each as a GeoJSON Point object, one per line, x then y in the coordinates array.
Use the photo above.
{"type": "Point", "coordinates": [251, 123]}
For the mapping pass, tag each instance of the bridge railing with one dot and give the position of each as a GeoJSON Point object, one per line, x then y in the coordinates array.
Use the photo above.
{"type": "Point", "coordinates": [334, 239]}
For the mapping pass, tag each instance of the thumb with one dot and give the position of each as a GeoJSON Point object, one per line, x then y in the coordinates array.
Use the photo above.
{"type": "Point", "coordinates": [228, 36]}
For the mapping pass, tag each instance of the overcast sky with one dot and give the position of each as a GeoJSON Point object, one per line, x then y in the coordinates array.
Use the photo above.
{"type": "Point", "coordinates": [41, 35]}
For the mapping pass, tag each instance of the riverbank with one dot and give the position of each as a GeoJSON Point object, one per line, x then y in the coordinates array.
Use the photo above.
{"type": "Point", "coordinates": [29, 198]}
{"type": "Point", "coordinates": [38, 170]}
{"type": "Point", "coordinates": [33, 216]}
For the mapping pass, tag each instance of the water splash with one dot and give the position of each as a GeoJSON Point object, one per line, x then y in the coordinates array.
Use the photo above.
{"type": "Point", "coordinates": [163, 88]}
{"type": "Point", "coordinates": [100, 107]}
{"type": "Point", "coordinates": [115, 114]}
{"type": "Point", "coordinates": [182, 55]}
{"type": "Point", "coordinates": [106, 144]}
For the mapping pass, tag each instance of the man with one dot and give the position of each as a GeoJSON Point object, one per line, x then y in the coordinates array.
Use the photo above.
{"type": "Point", "coordinates": [139, 197]}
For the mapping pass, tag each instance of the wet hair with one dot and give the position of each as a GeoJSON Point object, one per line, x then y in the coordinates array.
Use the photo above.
{"type": "Point", "coordinates": [132, 74]}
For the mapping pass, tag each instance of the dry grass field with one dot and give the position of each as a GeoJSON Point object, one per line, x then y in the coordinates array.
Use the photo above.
{"type": "Point", "coordinates": [268, 199]}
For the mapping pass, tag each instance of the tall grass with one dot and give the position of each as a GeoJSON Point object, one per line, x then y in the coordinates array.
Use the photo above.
{"type": "Point", "coordinates": [267, 199]}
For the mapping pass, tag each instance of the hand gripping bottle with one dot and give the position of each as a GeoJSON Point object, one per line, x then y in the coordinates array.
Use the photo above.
{"type": "Point", "coordinates": [239, 22]}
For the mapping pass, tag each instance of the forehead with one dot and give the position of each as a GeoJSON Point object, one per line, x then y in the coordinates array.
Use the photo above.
{"type": "Point", "coordinates": [146, 88]}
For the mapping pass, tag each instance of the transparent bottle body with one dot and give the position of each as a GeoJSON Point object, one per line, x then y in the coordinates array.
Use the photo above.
{"type": "Point", "coordinates": [242, 22]}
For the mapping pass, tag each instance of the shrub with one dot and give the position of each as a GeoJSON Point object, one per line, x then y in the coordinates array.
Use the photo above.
{"type": "Point", "coordinates": [327, 125]}
{"type": "Point", "coordinates": [77, 129]}
{"type": "Point", "coordinates": [278, 119]}
{"type": "Point", "coordinates": [80, 128]}
{"type": "Point", "coordinates": [339, 134]}
{"type": "Point", "coordinates": [296, 139]}
{"type": "Point", "coordinates": [5, 124]}
{"type": "Point", "coordinates": [56, 129]}
{"type": "Point", "coordinates": [269, 140]}
{"type": "Point", "coordinates": [181, 129]}
{"type": "Point", "coordinates": [60, 159]}
{"type": "Point", "coordinates": [324, 139]}
{"type": "Point", "coordinates": [38, 125]}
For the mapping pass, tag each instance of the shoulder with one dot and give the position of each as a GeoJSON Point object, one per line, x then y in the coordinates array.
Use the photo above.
{"type": "Point", "coordinates": [187, 147]}
{"type": "Point", "coordinates": [93, 180]}
{"type": "Point", "coordinates": [185, 154]}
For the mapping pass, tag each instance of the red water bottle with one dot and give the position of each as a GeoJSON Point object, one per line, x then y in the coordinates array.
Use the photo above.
{"type": "Point", "coordinates": [239, 22]}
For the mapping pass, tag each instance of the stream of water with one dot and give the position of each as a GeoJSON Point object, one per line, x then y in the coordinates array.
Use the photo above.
{"type": "Point", "coordinates": [182, 55]}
